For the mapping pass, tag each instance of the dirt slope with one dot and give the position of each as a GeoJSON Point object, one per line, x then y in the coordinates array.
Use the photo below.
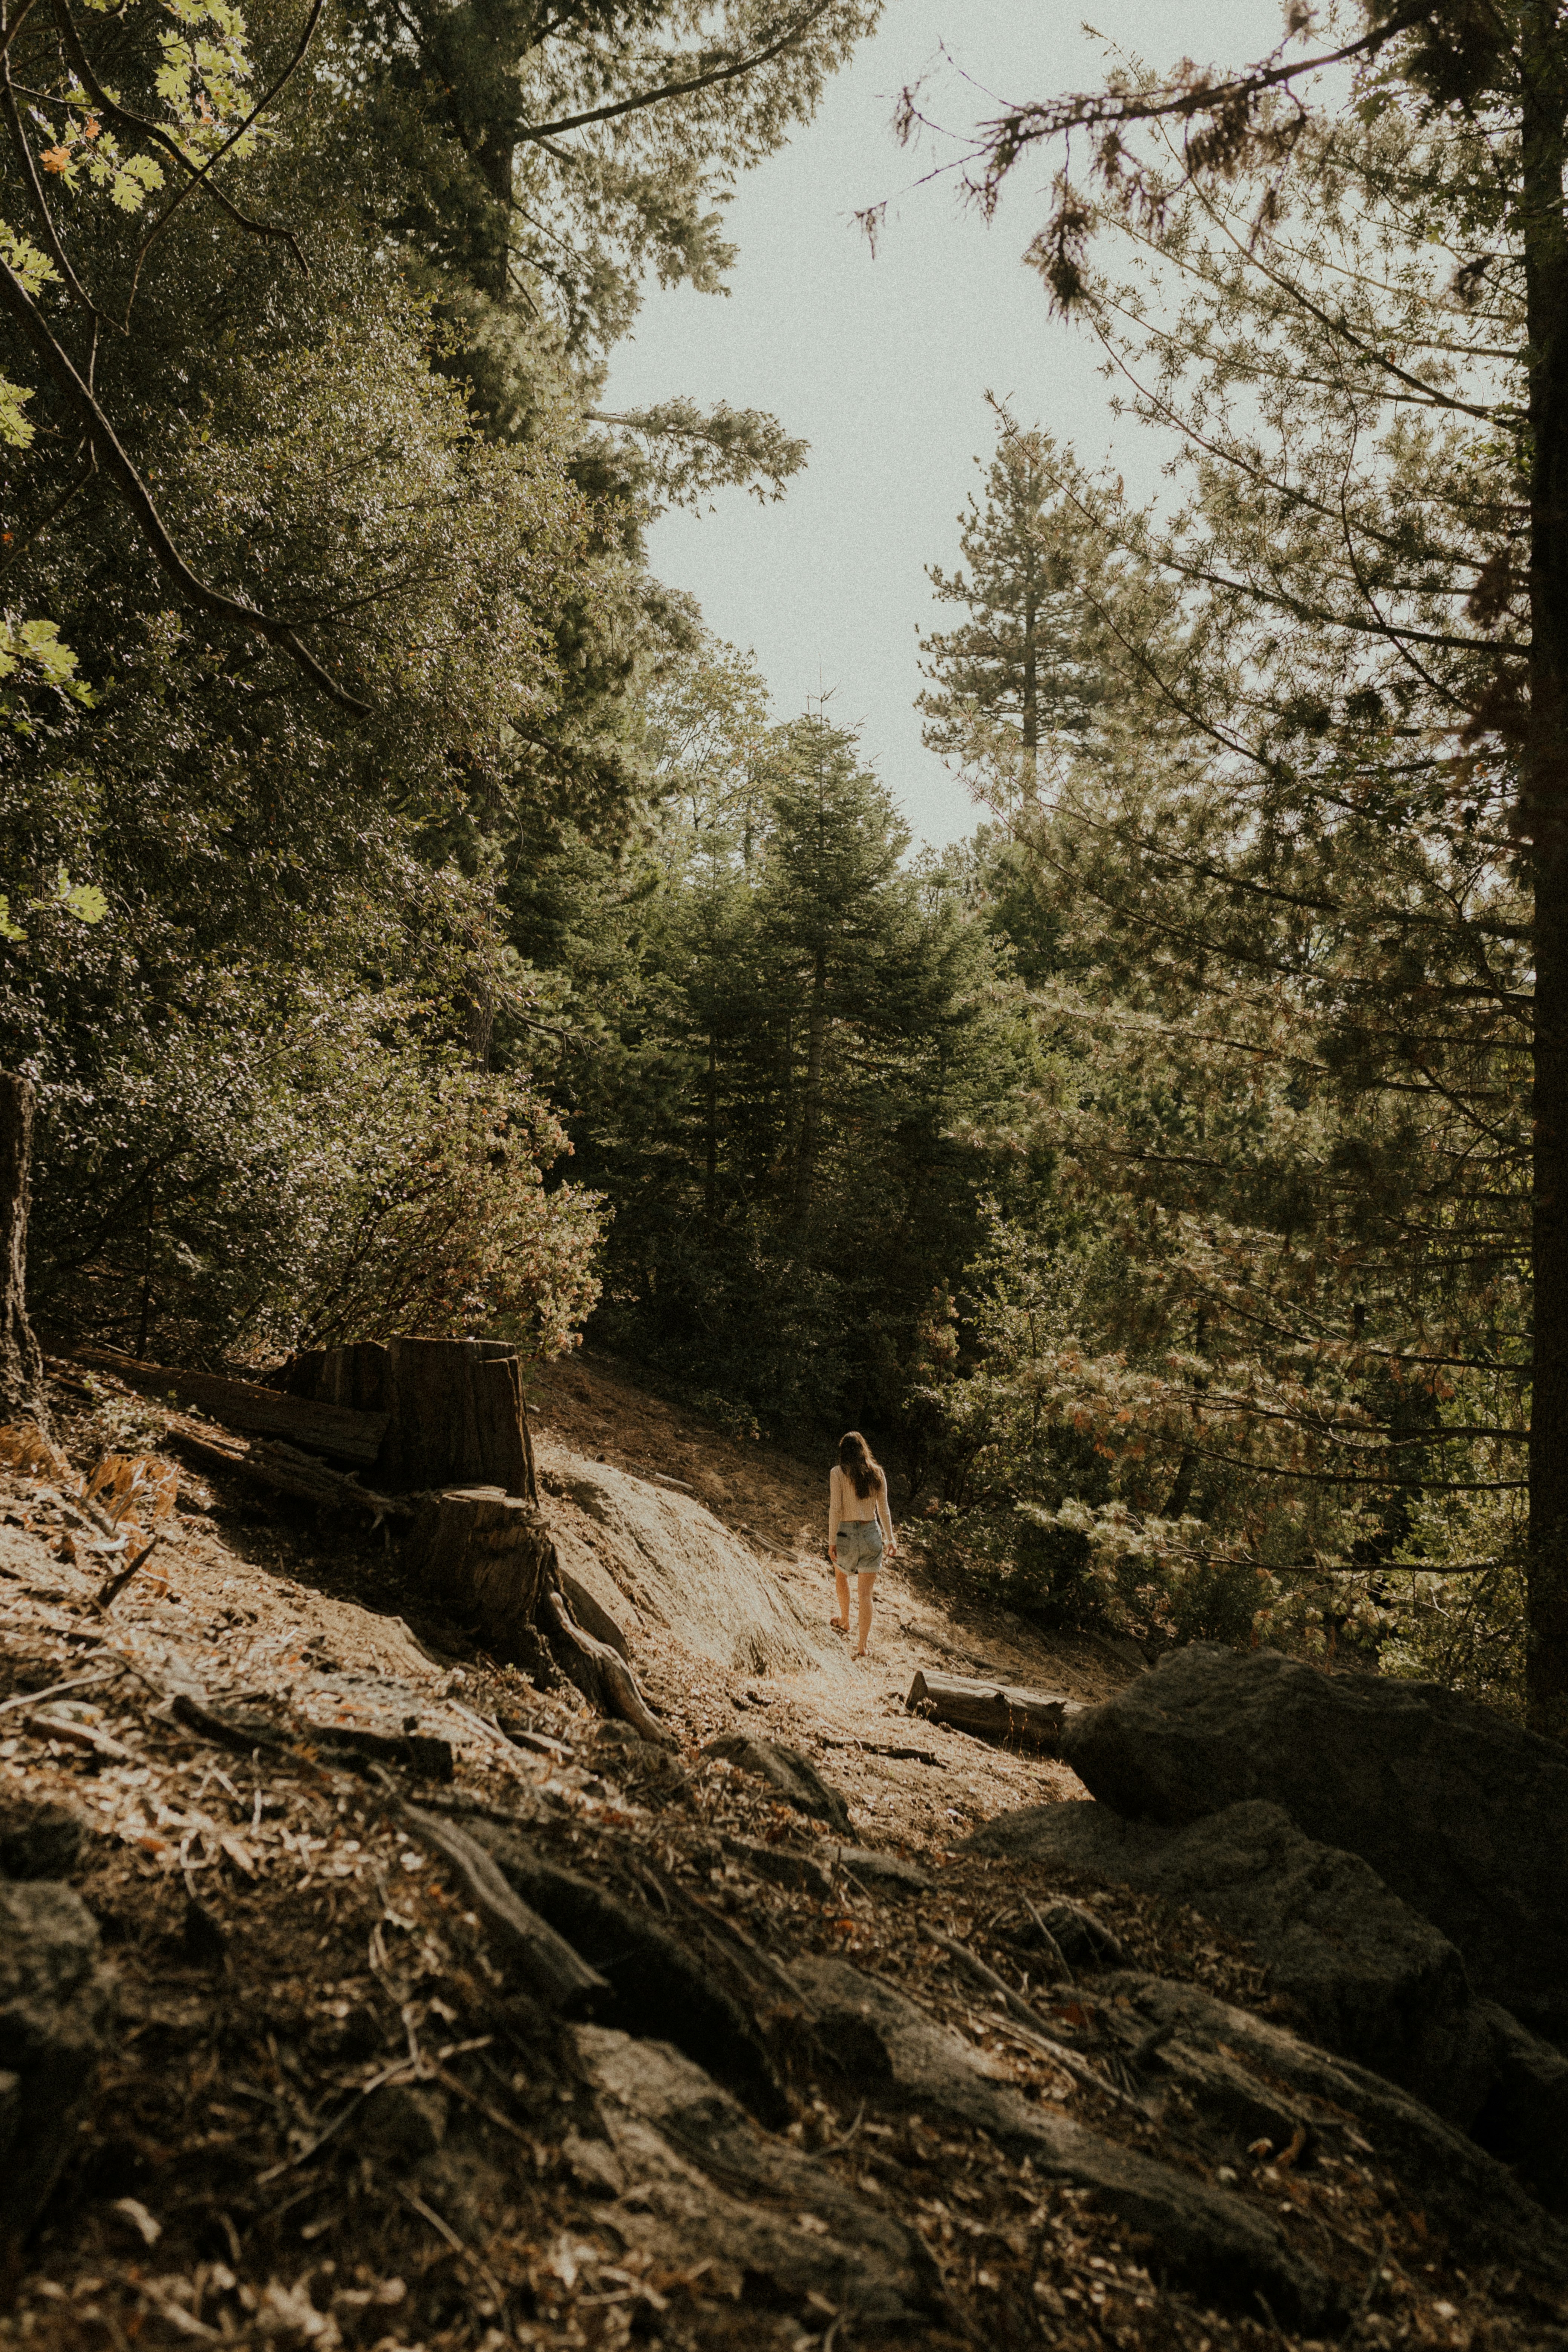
{"type": "Point", "coordinates": [591, 1412]}
{"type": "Point", "coordinates": [333, 2111]}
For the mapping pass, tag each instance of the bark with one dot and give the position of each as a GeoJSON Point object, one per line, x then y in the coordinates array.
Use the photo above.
{"type": "Point", "coordinates": [1031, 697]}
{"type": "Point", "coordinates": [1545, 825]}
{"type": "Point", "coordinates": [1025, 1718]}
{"type": "Point", "coordinates": [486, 1557]}
{"type": "Point", "coordinates": [711, 1184]}
{"type": "Point", "coordinates": [455, 1414]}
{"type": "Point", "coordinates": [338, 1431]}
{"type": "Point", "coordinates": [811, 1105]}
{"type": "Point", "coordinates": [21, 1358]}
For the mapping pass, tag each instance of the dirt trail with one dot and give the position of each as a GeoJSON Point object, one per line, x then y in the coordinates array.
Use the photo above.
{"type": "Point", "coordinates": [594, 1409]}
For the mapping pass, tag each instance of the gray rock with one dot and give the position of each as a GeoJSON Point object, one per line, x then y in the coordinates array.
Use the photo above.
{"type": "Point", "coordinates": [55, 2000]}
{"type": "Point", "coordinates": [794, 1775]}
{"type": "Point", "coordinates": [38, 1839]}
{"type": "Point", "coordinates": [1367, 1977]}
{"type": "Point", "coordinates": [1525, 2118]}
{"type": "Point", "coordinates": [713, 2189]}
{"type": "Point", "coordinates": [1463, 1816]}
{"type": "Point", "coordinates": [1217, 2242]}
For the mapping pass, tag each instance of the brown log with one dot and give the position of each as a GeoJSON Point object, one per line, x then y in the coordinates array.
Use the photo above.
{"type": "Point", "coordinates": [287, 1472]}
{"type": "Point", "coordinates": [485, 1556]}
{"type": "Point", "coordinates": [455, 1409]}
{"type": "Point", "coordinates": [333, 1430]}
{"type": "Point", "coordinates": [601, 1675]}
{"type": "Point", "coordinates": [1023, 1719]}
{"type": "Point", "coordinates": [21, 1358]}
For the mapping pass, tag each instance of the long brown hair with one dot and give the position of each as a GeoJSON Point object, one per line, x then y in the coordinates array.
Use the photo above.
{"type": "Point", "coordinates": [860, 1465]}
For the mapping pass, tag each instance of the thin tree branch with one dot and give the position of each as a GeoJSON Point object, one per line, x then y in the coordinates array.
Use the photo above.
{"type": "Point", "coordinates": [680, 88]}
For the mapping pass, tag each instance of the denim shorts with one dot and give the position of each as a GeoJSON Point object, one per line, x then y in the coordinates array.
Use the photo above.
{"type": "Point", "coordinates": [859, 1546]}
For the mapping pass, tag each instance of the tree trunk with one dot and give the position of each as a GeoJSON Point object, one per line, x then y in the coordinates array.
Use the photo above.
{"type": "Point", "coordinates": [1031, 695]}
{"type": "Point", "coordinates": [21, 1358]}
{"type": "Point", "coordinates": [710, 1186]}
{"type": "Point", "coordinates": [1545, 825]}
{"type": "Point", "coordinates": [811, 1105]}
{"type": "Point", "coordinates": [455, 1409]}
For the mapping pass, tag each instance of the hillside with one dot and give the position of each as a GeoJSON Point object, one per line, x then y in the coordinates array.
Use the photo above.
{"type": "Point", "coordinates": [426, 2007]}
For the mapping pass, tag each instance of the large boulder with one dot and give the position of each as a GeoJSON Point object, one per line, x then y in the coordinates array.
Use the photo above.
{"type": "Point", "coordinates": [54, 2002]}
{"type": "Point", "coordinates": [1363, 1975]}
{"type": "Point", "coordinates": [1464, 1816]}
{"type": "Point", "coordinates": [653, 1558]}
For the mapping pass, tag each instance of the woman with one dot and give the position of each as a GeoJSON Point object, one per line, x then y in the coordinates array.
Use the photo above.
{"type": "Point", "coordinates": [858, 1520]}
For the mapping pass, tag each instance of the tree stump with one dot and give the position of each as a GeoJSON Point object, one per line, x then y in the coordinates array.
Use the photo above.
{"type": "Point", "coordinates": [457, 1429]}
{"type": "Point", "coordinates": [455, 1409]}
{"type": "Point", "coordinates": [21, 1358]}
{"type": "Point", "coordinates": [489, 1557]}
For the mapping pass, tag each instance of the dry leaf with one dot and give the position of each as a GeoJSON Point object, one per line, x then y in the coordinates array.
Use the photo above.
{"type": "Point", "coordinates": [27, 1452]}
{"type": "Point", "coordinates": [134, 1484]}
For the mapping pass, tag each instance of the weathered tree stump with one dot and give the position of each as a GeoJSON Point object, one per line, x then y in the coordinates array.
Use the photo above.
{"type": "Point", "coordinates": [1026, 1718]}
{"type": "Point", "coordinates": [487, 1556]}
{"type": "Point", "coordinates": [454, 1407]}
{"type": "Point", "coordinates": [21, 1358]}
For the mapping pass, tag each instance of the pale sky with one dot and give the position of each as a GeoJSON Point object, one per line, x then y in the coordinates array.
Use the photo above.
{"type": "Point", "coordinates": [883, 364]}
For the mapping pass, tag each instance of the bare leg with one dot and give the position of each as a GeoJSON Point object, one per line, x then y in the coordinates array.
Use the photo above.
{"type": "Point", "coordinates": [866, 1584]}
{"type": "Point", "coordinates": [842, 1581]}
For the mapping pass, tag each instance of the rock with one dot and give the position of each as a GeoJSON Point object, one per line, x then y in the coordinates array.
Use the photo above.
{"type": "Point", "coordinates": [794, 1775]}
{"type": "Point", "coordinates": [713, 2190]}
{"type": "Point", "coordinates": [38, 1839]}
{"type": "Point", "coordinates": [55, 2001]}
{"type": "Point", "coordinates": [402, 2122]}
{"type": "Point", "coordinates": [1463, 1816]}
{"type": "Point", "coordinates": [1255, 2078]}
{"type": "Point", "coordinates": [681, 1569]}
{"type": "Point", "coordinates": [1223, 2248]}
{"type": "Point", "coordinates": [1525, 2118]}
{"type": "Point", "coordinates": [1365, 1976]}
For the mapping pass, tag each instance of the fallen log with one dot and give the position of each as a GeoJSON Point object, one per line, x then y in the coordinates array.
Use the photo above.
{"type": "Point", "coordinates": [337, 1431]}
{"type": "Point", "coordinates": [289, 1472]}
{"type": "Point", "coordinates": [1025, 1718]}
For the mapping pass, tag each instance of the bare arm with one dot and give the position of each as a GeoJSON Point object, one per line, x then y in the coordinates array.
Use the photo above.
{"type": "Point", "coordinates": [884, 1512]}
{"type": "Point", "coordinates": [833, 1510]}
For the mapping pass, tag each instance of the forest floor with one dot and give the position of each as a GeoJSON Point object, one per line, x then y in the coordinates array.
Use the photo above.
{"type": "Point", "coordinates": [329, 2113]}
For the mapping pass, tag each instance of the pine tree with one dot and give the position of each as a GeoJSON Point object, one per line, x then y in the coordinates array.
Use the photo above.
{"type": "Point", "coordinates": [1372, 375]}
{"type": "Point", "coordinates": [1017, 674]}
